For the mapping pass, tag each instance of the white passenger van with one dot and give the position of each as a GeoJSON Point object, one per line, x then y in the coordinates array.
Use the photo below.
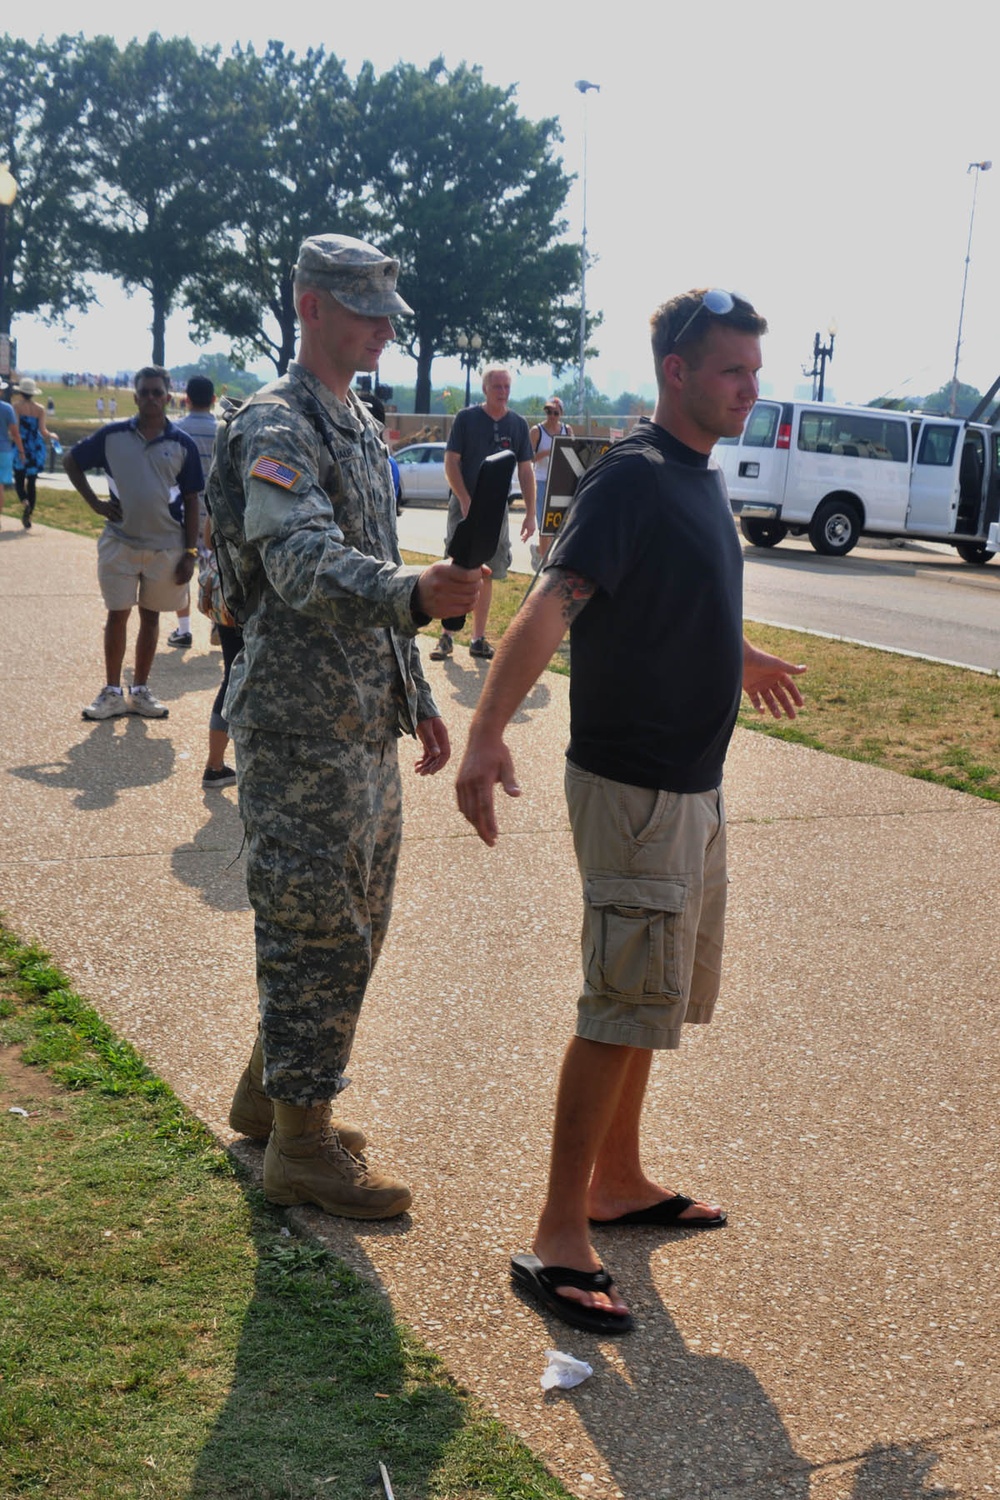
{"type": "Point", "coordinates": [833, 473]}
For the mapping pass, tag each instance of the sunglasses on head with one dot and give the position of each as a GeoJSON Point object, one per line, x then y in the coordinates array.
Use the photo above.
{"type": "Point", "coordinates": [715, 301]}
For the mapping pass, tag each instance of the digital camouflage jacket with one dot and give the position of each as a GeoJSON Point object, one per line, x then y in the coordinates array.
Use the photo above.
{"type": "Point", "coordinates": [304, 521]}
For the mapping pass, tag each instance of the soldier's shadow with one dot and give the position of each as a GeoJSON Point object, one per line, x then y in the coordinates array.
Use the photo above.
{"type": "Point", "coordinates": [212, 862]}
{"type": "Point", "coordinates": [114, 756]}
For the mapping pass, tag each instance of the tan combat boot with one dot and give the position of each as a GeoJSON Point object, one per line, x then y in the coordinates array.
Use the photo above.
{"type": "Point", "coordinates": [306, 1162]}
{"type": "Point", "coordinates": [251, 1112]}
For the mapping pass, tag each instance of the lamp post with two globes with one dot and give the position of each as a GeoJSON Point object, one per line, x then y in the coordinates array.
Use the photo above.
{"type": "Point", "coordinates": [469, 346]}
{"type": "Point", "coordinates": [8, 192]}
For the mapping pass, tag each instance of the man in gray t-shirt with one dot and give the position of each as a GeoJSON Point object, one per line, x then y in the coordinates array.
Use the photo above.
{"type": "Point", "coordinates": [478, 431]}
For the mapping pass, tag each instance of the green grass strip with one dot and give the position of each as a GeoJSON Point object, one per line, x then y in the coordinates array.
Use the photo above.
{"type": "Point", "coordinates": [159, 1335]}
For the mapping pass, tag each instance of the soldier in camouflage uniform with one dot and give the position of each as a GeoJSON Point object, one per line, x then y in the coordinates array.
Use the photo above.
{"type": "Point", "coordinates": [304, 517]}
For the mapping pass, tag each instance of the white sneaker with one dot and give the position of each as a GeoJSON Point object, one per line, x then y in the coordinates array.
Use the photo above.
{"type": "Point", "coordinates": [141, 701]}
{"type": "Point", "coordinates": [107, 705]}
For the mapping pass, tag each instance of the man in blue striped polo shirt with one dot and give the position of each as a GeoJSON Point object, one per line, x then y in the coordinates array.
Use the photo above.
{"type": "Point", "coordinates": [144, 556]}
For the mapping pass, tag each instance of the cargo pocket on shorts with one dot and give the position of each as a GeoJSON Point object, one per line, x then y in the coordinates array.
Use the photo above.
{"type": "Point", "coordinates": [636, 936]}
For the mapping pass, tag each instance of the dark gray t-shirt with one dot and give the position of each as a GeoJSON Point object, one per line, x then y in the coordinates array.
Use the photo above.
{"type": "Point", "coordinates": [475, 435]}
{"type": "Point", "coordinates": [657, 652]}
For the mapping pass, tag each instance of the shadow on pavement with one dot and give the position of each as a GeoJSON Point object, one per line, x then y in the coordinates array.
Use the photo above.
{"type": "Point", "coordinates": [466, 679]}
{"type": "Point", "coordinates": [897, 1473]}
{"type": "Point", "coordinates": [717, 1434]}
{"type": "Point", "coordinates": [219, 881]}
{"type": "Point", "coordinates": [107, 762]}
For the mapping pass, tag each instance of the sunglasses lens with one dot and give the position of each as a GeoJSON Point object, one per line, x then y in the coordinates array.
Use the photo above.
{"type": "Point", "coordinates": [718, 302]}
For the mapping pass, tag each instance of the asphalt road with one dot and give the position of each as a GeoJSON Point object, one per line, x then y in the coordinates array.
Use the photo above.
{"type": "Point", "coordinates": [918, 597]}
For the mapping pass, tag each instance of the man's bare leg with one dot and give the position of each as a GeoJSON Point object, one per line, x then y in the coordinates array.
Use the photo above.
{"type": "Point", "coordinates": [145, 645]}
{"type": "Point", "coordinates": [115, 631]}
{"type": "Point", "coordinates": [590, 1086]}
{"type": "Point", "coordinates": [481, 610]}
{"type": "Point", "coordinates": [619, 1185]}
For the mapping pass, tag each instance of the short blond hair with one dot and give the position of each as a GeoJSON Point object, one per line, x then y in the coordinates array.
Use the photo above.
{"type": "Point", "coordinates": [495, 370]}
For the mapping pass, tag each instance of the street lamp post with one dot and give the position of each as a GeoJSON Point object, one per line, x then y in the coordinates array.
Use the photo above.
{"type": "Point", "coordinates": [822, 353]}
{"type": "Point", "coordinates": [469, 348]}
{"type": "Point", "coordinates": [8, 192]}
{"type": "Point", "coordinates": [978, 167]}
{"type": "Point", "coordinates": [584, 87]}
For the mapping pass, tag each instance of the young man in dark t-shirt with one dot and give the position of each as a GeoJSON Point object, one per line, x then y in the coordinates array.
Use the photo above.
{"type": "Point", "coordinates": [647, 572]}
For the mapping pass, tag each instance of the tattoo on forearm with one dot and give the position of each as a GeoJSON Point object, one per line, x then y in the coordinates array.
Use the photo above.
{"type": "Point", "coordinates": [572, 590]}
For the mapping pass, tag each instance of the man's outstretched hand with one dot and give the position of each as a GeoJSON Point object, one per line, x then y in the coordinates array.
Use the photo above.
{"type": "Point", "coordinates": [770, 683]}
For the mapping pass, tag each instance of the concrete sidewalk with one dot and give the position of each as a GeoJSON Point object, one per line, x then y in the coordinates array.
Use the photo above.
{"type": "Point", "coordinates": [838, 1338]}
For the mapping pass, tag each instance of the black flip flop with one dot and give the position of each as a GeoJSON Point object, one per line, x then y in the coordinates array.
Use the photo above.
{"type": "Point", "coordinates": [528, 1273]}
{"type": "Point", "coordinates": [665, 1215]}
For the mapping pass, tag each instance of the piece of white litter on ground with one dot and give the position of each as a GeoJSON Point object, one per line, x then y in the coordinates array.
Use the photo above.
{"type": "Point", "coordinates": [16, 1109]}
{"type": "Point", "coordinates": [384, 1472]}
{"type": "Point", "coordinates": [562, 1371]}
{"type": "Point", "coordinates": [285, 1232]}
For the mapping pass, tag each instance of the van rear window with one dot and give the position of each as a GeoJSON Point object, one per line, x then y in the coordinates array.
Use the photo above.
{"type": "Point", "coordinates": [854, 436]}
{"type": "Point", "coordinates": [762, 426]}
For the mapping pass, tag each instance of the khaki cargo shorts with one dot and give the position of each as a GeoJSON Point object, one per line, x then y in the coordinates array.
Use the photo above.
{"type": "Point", "coordinates": [653, 869]}
{"type": "Point", "coordinates": [128, 575]}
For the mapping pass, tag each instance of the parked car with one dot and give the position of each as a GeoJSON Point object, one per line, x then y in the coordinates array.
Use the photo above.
{"type": "Point", "coordinates": [421, 473]}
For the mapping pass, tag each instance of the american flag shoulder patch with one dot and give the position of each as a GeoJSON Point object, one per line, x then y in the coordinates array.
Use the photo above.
{"type": "Point", "coordinates": [275, 472]}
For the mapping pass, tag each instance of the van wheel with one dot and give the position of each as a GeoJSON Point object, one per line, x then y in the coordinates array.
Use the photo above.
{"type": "Point", "coordinates": [835, 528]}
{"type": "Point", "coordinates": [974, 553]}
{"type": "Point", "coordinates": [763, 533]}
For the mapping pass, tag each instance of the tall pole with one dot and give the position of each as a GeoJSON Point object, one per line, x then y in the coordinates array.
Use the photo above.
{"type": "Point", "coordinates": [978, 167]}
{"type": "Point", "coordinates": [8, 192]}
{"type": "Point", "coordinates": [584, 88]}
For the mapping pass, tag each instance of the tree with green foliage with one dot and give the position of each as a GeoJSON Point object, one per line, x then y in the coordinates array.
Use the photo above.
{"type": "Point", "coordinates": [151, 128]}
{"type": "Point", "coordinates": [224, 375]}
{"type": "Point", "coordinates": [967, 398]}
{"type": "Point", "coordinates": [469, 197]}
{"type": "Point", "coordinates": [42, 105]}
{"type": "Point", "coordinates": [289, 168]}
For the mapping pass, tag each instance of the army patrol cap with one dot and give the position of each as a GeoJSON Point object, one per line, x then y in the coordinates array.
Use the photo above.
{"type": "Point", "coordinates": [358, 275]}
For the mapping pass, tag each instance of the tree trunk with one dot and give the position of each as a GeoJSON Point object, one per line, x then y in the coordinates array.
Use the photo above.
{"type": "Point", "coordinates": [422, 394]}
{"type": "Point", "coordinates": [159, 328]}
{"type": "Point", "coordinates": [287, 322]}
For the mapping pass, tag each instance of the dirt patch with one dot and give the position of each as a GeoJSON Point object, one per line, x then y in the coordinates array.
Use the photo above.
{"type": "Point", "coordinates": [21, 1086]}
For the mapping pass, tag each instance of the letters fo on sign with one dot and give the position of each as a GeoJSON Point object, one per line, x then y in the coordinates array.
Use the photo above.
{"type": "Point", "coordinates": [571, 458]}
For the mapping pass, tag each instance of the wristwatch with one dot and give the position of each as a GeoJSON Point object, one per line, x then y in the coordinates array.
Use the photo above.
{"type": "Point", "coordinates": [191, 551]}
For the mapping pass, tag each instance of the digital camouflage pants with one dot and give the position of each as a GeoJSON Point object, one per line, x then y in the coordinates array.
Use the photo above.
{"type": "Point", "coordinates": [323, 824]}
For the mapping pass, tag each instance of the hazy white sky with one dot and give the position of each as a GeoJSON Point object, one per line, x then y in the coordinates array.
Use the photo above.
{"type": "Point", "coordinates": [812, 157]}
